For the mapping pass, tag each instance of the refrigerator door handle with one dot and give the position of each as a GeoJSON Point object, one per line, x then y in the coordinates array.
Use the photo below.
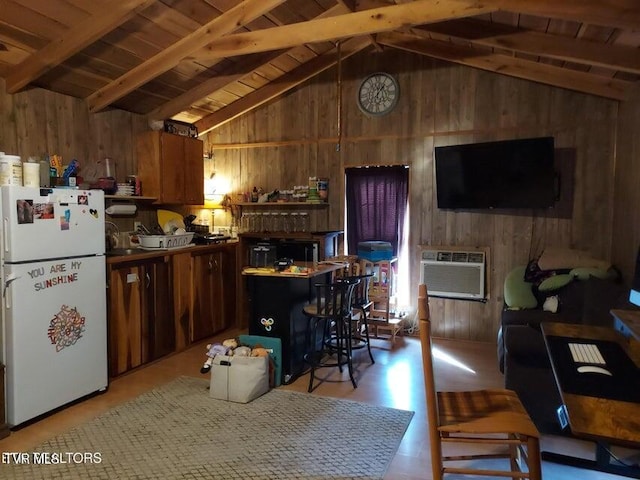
{"type": "Point", "coordinates": [5, 236]}
{"type": "Point", "coordinates": [7, 283]}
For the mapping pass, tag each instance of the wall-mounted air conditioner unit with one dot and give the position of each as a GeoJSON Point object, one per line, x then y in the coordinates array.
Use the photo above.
{"type": "Point", "coordinates": [453, 274]}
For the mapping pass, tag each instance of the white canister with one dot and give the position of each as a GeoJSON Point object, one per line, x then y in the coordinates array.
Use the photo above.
{"type": "Point", "coordinates": [10, 170]}
{"type": "Point", "coordinates": [31, 174]}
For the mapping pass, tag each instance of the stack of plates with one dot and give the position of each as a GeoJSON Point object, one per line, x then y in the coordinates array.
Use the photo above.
{"type": "Point", "coordinates": [125, 189]}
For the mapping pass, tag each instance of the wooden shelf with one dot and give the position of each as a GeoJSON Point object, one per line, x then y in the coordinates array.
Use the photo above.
{"type": "Point", "coordinates": [282, 204]}
{"type": "Point", "coordinates": [130, 198]}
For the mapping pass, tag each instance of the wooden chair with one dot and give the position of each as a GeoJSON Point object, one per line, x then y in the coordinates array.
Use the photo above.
{"type": "Point", "coordinates": [486, 418]}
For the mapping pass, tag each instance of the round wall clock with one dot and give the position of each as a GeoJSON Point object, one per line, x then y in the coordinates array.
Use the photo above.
{"type": "Point", "coordinates": [378, 94]}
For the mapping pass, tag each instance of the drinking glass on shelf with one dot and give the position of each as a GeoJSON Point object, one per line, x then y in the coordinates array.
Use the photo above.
{"type": "Point", "coordinates": [267, 221]}
{"type": "Point", "coordinates": [294, 216]}
{"type": "Point", "coordinates": [304, 221]}
{"type": "Point", "coordinates": [275, 222]}
{"type": "Point", "coordinates": [262, 221]}
{"type": "Point", "coordinates": [244, 222]}
{"type": "Point", "coordinates": [253, 226]}
{"type": "Point", "coordinates": [284, 222]}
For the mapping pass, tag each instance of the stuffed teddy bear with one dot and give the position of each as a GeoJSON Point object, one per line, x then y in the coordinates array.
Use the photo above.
{"type": "Point", "coordinates": [242, 351]}
{"type": "Point", "coordinates": [259, 352]}
{"type": "Point", "coordinates": [212, 351]}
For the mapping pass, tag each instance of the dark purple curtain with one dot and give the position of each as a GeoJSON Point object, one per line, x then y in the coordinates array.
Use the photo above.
{"type": "Point", "coordinates": [376, 205]}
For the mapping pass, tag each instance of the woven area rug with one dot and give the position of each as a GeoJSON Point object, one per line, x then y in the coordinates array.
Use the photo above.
{"type": "Point", "coordinates": [178, 432]}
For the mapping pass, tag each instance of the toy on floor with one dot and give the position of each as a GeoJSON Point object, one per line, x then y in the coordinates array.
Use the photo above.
{"type": "Point", "coordinates": [230, 343]}
{"type": "Point", "coordinates": [242, 351]}
{"type": "Point", "coordinates": [259, 351]}
{"type": "Point", "coordinates": [213, 350]}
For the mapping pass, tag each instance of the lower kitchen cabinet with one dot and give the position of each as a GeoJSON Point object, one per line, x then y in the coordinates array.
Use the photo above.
{"type": "Point", "coordinates": [140, 312]}
{"type": "Point", "coordinates": [161, 303]}
{"type": "Point", "coordinates": [214, 292]}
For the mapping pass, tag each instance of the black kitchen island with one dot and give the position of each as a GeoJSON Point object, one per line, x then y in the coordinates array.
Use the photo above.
{"type": "Point", "coordinates": [275, 302]}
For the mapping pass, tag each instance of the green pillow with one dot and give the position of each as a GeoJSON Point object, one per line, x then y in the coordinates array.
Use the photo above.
{"type": "Point", "coordinates": [554, 282]}
{"type": "Point", "coordinates": [518, 294]}
{"type": "Point", "coordinates": [583, 273]}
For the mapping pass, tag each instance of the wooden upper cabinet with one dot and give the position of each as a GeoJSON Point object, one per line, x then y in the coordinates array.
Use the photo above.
{"type": "Point", "coordinates": [171, 167]}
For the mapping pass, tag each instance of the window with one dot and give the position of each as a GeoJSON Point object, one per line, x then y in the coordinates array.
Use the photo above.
{"type": "Point", "coordinates": [376, 209]}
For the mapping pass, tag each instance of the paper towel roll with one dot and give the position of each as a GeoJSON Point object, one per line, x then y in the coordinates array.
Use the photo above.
{"type": "Point", "coordinates": [31, 174]}
{"type": "Point", "coordinates": [125, 209]}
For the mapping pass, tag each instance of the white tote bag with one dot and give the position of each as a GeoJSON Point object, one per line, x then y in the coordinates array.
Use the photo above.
{"type": "Point", "coordinates": [239, 379]}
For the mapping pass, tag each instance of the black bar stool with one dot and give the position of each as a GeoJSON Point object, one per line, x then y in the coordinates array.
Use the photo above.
{"type": "Point", "coordinates": [361, 306]}
{"type": "Point", "coordinates": [330, 336]}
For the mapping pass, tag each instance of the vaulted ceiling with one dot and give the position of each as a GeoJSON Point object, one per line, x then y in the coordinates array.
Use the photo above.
{"type": "Point", "coordinates": [209, 61]}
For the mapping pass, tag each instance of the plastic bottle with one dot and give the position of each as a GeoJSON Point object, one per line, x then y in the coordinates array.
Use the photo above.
{"type": "Point", "coordinates": [10, 170]}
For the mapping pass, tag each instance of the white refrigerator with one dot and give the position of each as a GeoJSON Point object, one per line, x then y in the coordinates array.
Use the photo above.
{"type": "Point", "coordinates": [54, 329]}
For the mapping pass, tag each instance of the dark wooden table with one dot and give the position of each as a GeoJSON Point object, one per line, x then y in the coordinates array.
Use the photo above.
{"type": "Point", "coordinates": [603, 420]}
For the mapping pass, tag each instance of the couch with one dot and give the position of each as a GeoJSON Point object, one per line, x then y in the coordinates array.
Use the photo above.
{"type": "Point", "coordinates": [582, 295]}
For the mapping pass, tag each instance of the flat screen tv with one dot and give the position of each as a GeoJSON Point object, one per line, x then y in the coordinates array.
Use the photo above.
{"type": "Point", "coordinates": [506, 174]}
{"type": "Point", "coordinates": [634, 295]}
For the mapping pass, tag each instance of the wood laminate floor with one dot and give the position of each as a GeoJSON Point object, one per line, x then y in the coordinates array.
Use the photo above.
{"type": "Point", "coordinates": [394, 381]}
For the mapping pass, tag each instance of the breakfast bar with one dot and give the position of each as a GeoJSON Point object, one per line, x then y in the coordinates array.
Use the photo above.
{"type": "Point", "coordinates": [276, 299]}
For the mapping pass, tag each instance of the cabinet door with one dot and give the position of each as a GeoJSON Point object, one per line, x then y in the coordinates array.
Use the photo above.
{"type": "Point", "coordinates": [140, 312]}
{"type": "Point", "coordinates": [159, 334]}
{"type": "Point", "coordinates": [228, 279]}
{"type": "Point", "coordinates": [206, 311]}
{"type": "Point", "coordinates": [193, 171]}
{"type": "Point", "coordinates": [173, 168]}
{"type": "Point", "coordinates": [125, 317]}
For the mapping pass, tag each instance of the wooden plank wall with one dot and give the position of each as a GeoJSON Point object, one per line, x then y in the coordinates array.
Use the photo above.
{"type": "Point", "coordinates": [286, 141]}
{"type": "Point", "coordinates": [38, 122]}
{"type": "Point", "coordinates": [626, 223]}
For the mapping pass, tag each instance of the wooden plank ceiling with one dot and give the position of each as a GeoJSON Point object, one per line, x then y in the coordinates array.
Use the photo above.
{"type": "Point", "coordinates": [209, 61]}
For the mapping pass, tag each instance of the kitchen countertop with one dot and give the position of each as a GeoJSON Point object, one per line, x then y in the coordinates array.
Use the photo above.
{"type": "Point", "coordinates": [320, 269]}
{"type": "Point", "coordinates": [120, 255]}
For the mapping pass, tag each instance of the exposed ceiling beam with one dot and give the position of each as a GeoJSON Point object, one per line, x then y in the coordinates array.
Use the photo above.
{"type": "Point", "coordinates": [280, 85]}
{"type": "Point", "coordinates": [610, 13]}
{"type": "Point", "coordinates": [235, 73]}
{"type": "Point", "coordinates": [351, 6]}
{"type": "Point", "coordinates": [207, 87]}
{"type": "Point", "coordinates": [106, 17]}
{"type": "Point", "coordinates": [229, 21]}
{"type": "Point", "coordinates": [342, 26]}
{"type": "Point", "coordinates": [616, 57]}
{"type": "Point", "coordinates": [506, 65]}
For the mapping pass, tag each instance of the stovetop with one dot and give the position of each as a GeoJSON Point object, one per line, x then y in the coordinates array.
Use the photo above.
{"type": "Point", "coordinates": [208, 239]}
